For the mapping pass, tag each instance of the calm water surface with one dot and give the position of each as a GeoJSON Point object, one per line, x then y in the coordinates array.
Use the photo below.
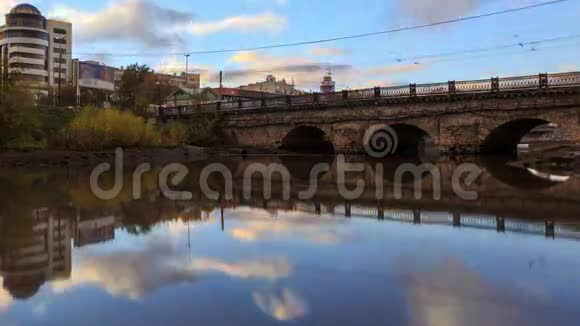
{"type": "Point", "coordinates": [509, 258]}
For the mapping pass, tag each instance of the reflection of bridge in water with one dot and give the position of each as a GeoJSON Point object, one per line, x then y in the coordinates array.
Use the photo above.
{"type": "Point", "coordinates": [548, 228]}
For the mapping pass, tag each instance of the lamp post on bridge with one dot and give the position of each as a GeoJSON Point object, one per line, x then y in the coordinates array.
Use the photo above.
{"type": "Point", "coordinates": [187, 78]}
{"type": "Point", "coordinates": [158, 84]}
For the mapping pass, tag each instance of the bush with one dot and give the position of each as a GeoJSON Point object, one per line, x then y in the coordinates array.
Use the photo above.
{"type": "Point", "coordinates": [175, 133]}
{"type": "Point", "coordinates": [202, 130]}
{"type": "Point", "coordinates": [20, 126]}
{"type": "Point", "coordinates": [54, 123]}
{"type": "Point", "coordinates": [97, 129]}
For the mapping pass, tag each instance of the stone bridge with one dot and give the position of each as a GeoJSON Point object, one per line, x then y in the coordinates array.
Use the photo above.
{"type": "Point", "coordinates": [465, 117]}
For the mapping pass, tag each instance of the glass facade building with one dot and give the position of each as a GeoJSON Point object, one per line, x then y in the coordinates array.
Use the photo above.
{"type": "Point", "coordinates": [35, 49]}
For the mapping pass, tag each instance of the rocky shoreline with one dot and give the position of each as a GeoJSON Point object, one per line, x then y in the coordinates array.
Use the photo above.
{"type": "Point", "coordinates": [131, 157]}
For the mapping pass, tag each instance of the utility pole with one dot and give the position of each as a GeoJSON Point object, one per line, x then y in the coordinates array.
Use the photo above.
{"type": "Point", "coordinates": [186, 69]}
{"type": "Point", "coordinates": [187, 78]}
{"type": "Point", "coordinates": [221, 84]}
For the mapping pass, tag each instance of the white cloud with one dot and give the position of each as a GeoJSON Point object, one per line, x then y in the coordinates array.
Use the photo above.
{"type": "Point", "coordinates": [148, 24]}
{"type": "Point", "coordinates": [5, 6]}
{"type": "Point", "coordinates": [126, 20]}
{"type": "Point", "coordinates": [282, 305]}
{"type": "Point", "coordinates": [272, 269]}
{"type": "Point", "coordinates": [327, 52]}
{"type": "Point", "coordinates": [127, 274]}
{"type": "Point", "coordinates": [136, 274]}
{"type": "Point", "coordinates": [394, 69]}
{"type": "Point", "coordinates": [5, 297]}
{"type": "Point", "coordinates": [256, 225]}
{"type": "Point", "coordinates": [307, 72]}
{"type": "Point", "coordinates": [428, 11]}
{"type": "Point", "coordinates": [268, 22]}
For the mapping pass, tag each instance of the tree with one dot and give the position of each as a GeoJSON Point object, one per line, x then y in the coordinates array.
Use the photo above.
{"type": "Point", "coordinates": [139, 88]}
{"type": "Point", "coordinates": [19, 122]}
{"type": "Point", "coordinates": [133, 76]}
{"type": "Point", "coordinates": [68, 97]}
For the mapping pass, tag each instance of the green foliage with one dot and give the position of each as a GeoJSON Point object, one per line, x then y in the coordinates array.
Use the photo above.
{"type": "Point", "coordinates": [133, 76]}
{"type": "Point", "coordinates": [174, 133]}
{"type": "Point", "coordinates": [202, 130]}
{"type": "Point", "coordinates": [199, 132]}
{"type": "Point", "coordinates": [139, 88]}
{"type": "Point", "coordinates": [54, 122]}
{"type": "Point", "coordinates": [20, 126]}
{"type": "Point", "coordinates": [97, 129]}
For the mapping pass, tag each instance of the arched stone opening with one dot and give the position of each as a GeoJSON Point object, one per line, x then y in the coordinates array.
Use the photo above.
{"type": "Point", "coordinates": [400, 139]}
{"type": "Point", "coordinates": [506, 138]}
{"type": "Point", "coordinates": [309, 140]}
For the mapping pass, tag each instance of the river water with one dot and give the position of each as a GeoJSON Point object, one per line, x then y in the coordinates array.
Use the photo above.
{"type": "Point", "coordinates": [509, 257]}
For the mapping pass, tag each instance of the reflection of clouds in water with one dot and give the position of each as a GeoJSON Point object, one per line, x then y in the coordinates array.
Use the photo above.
{"type": "Point", "coordinates": [282, 305]}
{"type": "Point", "coordinates": [451, 294]}
{"type": "Point", "coordinates": [5, 297]}
{"type": "Point", "coordinates": [135, 274]}
{"type": "Point", "coordinates": [176, 228]}
{"type": "Point", "coordinates": [269, 269]}
{"type": "Point", "coordinates": [126, 273]}
{"type": "Point", "coordinates": [258, 224]}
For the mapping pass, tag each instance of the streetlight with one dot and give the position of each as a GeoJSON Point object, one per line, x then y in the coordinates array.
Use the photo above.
{"type": "Point", "coordinates": [187, 78]}
{"type": "Point", "coordinates": [158, 92]}
{"type": "Point", "coordinates": [159, 98]}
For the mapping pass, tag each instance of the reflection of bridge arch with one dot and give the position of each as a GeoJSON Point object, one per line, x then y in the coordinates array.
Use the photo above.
{"type": "Point", "coordinates": [307, 139]}
{"type": "Point", "coordinates": [515, 177]}
{"type": "Point", "coordinates": [505, 138]}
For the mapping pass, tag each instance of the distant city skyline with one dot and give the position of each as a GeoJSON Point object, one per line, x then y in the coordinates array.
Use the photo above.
{"type": "Point", "coordinates": [154, 29]}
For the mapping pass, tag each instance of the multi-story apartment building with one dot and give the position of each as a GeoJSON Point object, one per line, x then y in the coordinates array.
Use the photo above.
{"type": "Point", "coordinates": [39, 50]}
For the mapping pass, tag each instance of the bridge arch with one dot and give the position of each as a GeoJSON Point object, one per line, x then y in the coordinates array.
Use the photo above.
{"type": "Point", "coordinates": [505, 138]}
{"type": "Point", "coordinates": [406, 139]}
{"type": "Point", "coordinates": [307, 139]}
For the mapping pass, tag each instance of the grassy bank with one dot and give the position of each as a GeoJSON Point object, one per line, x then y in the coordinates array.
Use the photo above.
{"type": "Point", "coordinates": [94, 129]}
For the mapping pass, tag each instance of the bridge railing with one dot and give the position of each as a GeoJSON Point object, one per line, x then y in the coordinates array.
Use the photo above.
{"type": "Point", "coordinates": [473, 86]}
{"type": "Point", "coordinates": [395, 91]}
{"type": "Point", "coordinates": [541, 81]}
{"type": "Point", "coordinates": [432, 89]}
{"type": "Point", "coordinates": [519, 82]}
{"type": "Point", "coordinates": [564, 79]}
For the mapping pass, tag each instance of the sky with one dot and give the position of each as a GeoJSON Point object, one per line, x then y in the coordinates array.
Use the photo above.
{"type": "Point", "coordinates": [157, 32]}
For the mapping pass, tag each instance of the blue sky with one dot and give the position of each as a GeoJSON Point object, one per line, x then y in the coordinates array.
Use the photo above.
{"type": "Point", "coordinates": [108, 30]}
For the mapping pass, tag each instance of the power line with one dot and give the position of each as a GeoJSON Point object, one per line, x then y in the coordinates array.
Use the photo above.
{"type": "Point", "coordinates": [340, 38]}
{"type": "Point", "coordinates": [489, 49]}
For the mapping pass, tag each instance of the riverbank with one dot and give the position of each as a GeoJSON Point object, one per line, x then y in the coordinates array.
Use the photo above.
{"type": "Point", "coordinates": [131, 157]}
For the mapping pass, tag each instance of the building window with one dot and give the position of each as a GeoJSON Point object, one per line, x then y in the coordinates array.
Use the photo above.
{"type": "Point", "coordinates": [26, 55]}
{"type": "Point", "coordinates": [22, 65]}
{"type": "Point", "coordinates": [24, 33]}
{"type": "Point", "coordinates": [60, 40]}
{"type": "Point", "coordinates": [59, 31]}
{"type": "Point", "coordinates": [34, 78]}
{"type": "Point", "coordinates": [25, 21]}
{"type": "Point", "coordinates": [63, 70]}
{"type": "Point", "coordinates": [59, 50]}
{"type": "Point", "coordinates": [26, 45]}
{"type": "Point", "coordinates": [59, 60]}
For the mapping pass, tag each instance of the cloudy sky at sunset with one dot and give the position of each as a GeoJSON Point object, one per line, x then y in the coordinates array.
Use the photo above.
{"type": "Point", "coordinates": [120, 32]}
